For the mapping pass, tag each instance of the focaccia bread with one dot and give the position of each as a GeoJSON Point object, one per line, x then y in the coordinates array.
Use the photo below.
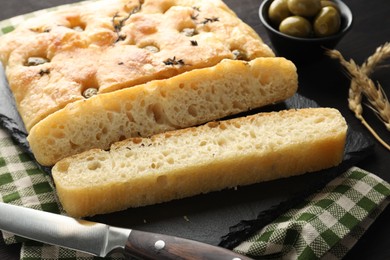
{"type": "Point", "coordinates": [185, 100]}
{"type": "Point", "coordinates": [211, 157]}
{"type": "Point", "coordinates": [112, 44]}
{"type": "Point", "coordinates": [86, 76]}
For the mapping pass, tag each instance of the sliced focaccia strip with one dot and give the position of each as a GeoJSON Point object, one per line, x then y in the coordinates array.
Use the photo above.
{"type": "Point", "coordinates": [212, 157]}
{"type": "Point", "coordinates": [189, 99]}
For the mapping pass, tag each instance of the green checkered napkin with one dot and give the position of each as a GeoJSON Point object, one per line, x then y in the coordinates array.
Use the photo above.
{"type": "Point", "coordinates": [327, 224]}
{"type": "Point", "coordinates": [23, 183]}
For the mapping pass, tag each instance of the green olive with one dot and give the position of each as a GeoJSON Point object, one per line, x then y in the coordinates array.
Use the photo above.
{"type": "Point", "coordinates": [89, 92]}
{"type": "Point", "coordinates": [278, 10]}
{"type": "Point", "coordinates": [297, 26]}
{"type": "Point", "coordinates": [329, 3]}
{"type": "Point", "coordinates": [306, 8]}
{"type": "Point", "coordinates": [327, 22]}
{"type": "Point", "coordinates": [35, 61]}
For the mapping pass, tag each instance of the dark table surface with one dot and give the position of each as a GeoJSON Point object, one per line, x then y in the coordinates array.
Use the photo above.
{"type": "Point", "coordinates": [323, 81]}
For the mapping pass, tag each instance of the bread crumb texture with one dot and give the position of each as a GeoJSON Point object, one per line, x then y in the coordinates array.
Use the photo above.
{"type": "Point", "coordinates": [185, 100]}
{"type": "Point", "coordinates": [102, 46]}
{"type": "Point", "coordinates": [211, 157]}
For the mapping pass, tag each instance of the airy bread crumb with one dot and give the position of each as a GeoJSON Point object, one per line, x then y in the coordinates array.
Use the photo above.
{"type": "Point", "coordinates": [189, 99]}
{"type": "Point", "coordinates": [114, 44]}
{"type": "Point", "coordinates": [211, 157]}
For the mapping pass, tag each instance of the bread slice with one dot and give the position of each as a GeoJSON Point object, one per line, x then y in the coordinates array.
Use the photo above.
{"type": "Point", "coordinates": [211, 157]}
{"type": "Point", "coordinates": [63, 56]}
{"type": "Point", "coordinates": [188, 99]}
{"type": "Point", "coordinates": [67, 70]}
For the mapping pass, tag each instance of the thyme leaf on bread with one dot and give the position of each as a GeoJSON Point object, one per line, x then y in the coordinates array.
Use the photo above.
{"type": "Point", "coordinates": [194, 43]}
{"type": "Point", "coordinates": [194, 16]}
{"type": "Point", "coordinates": [119, 23]}
{"type": "Point", "coordinates": [44, 71]}
{"type": "Point", "coordinates": [173, 62]}
{"type": "Point", "coordinates": [210, 20]}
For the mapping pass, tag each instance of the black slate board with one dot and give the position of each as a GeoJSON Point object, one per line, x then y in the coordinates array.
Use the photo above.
{"type": "Point", "coordinates": [220, 218]}
{"type": "Point", "coordinates": [9, 116]}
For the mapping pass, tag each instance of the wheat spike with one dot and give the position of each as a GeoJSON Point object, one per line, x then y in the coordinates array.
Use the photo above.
{"type": "Point", "coordinates": [355, 92]}
{"type": "Point", "coordinates": [361, 84]}
{"type": "Point", "coordinates": [380, 55]}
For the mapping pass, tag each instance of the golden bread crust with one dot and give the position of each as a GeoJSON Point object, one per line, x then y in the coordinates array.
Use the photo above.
{"type": "Point", "coordinates": [115, 44]}
{"type": "Point", "coordinates": [191, 161]}
{"type": "Point", "coordinates": [185, 100]}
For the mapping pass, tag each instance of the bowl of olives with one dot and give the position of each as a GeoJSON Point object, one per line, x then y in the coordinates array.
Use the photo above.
{"type": "Point", "coordinates": [301, 30]}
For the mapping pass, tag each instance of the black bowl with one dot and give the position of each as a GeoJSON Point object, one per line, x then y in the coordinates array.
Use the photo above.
{"type": "Point", "coordinates": [301, 50]}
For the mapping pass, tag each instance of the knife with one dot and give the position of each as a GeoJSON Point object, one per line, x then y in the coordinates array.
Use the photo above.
{"type": "Point", "coordinates": [102, 240]}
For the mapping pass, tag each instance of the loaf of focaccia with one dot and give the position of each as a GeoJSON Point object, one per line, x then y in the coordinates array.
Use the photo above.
{"type": "Point", "coordinates": [63, 60]}
{"type": "Point", "coordinates": [211, 157]}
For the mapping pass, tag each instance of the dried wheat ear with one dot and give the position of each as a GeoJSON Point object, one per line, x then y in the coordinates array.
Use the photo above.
{"type": "Point", "coordinates": [362, 86]}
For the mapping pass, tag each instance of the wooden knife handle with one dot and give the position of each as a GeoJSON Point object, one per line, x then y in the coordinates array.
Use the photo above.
{"type": "Point", "coordinates": [145, 245]}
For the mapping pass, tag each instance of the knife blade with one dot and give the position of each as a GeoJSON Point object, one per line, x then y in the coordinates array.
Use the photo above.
{"type": "Point", "coordinates": [101, 240]}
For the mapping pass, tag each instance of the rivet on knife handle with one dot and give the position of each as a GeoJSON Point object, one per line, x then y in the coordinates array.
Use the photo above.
{"type": "Point", "coordinates": [147, 245]}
